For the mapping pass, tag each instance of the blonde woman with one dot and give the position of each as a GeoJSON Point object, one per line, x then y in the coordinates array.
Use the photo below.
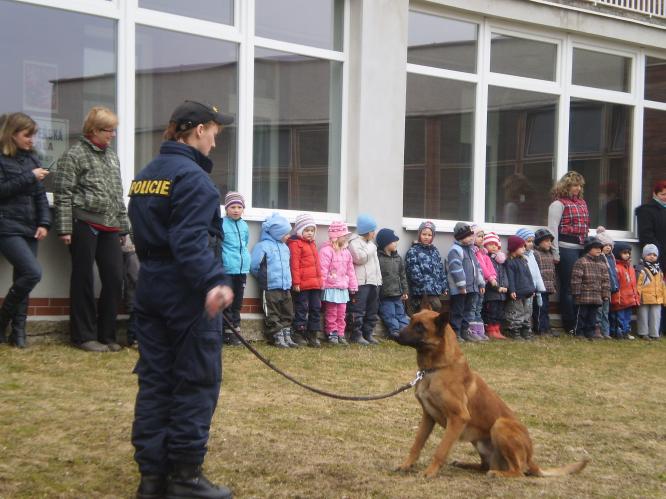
{"type": "Point", "coordinates": [24, 218]}
{"type": "Point", "coordinates": [569, 222]}
{"type": "Point", "coordinates": [92, 220]}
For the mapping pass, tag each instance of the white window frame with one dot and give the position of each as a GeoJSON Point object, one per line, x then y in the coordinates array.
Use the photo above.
{"type": "Point", "coordinates": [129, 16]}
{"type": "Point", "coordinates": [561, 87]}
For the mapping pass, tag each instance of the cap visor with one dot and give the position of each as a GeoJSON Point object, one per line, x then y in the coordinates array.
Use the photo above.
{"type": "Point", "coordinates": [223, 119]}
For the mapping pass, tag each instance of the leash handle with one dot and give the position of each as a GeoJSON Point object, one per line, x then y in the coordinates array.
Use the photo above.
{"type": "Point", "coordinates": [246, 344]}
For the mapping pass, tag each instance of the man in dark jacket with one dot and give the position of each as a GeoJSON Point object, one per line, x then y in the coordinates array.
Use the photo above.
{"type": "Point", "coordinates": [651, 218]}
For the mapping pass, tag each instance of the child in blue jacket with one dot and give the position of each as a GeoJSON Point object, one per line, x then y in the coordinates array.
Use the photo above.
{"type": "Point", "coordinates": [235, 257]}
{"type": "Point", "coordinates": [270, 266]}
{"type": "Point", "coordinates": [425, 272]}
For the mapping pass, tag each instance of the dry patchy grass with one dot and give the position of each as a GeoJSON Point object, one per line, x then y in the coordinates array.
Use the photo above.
{"type": "Point", "coordinates": [65, 419]}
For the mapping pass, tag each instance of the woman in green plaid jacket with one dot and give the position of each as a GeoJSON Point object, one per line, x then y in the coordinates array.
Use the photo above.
{"type": "Point", "coordinates": [91, 219]}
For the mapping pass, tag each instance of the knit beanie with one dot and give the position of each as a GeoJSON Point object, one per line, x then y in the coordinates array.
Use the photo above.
{"type": "Point", "coordinates": [649, 249]}
{"type": "Point", "coordinates": [514, 242]}
{"type": "Point", "coordinates": [385, 237]}
{"type": "Point", "coordinates": [592, 242]}
{"type": "Point", "coordinates": [302, 222]}
{"type": "Point", "coordinates": [620, 248]}
{"type": "Point", "coordinates": [233, 198]}
{"type": "Point", "coordinates": [603, 236]}
{"type": "Point", "coordinates": [462, 230]}
{"type": "Point", "coordinates": [525, 234]}
{"type": "Point", "coordinates": [492, 238]}
{"type": "Point", "coordinates": [337, 229]}
{"type": "Point", "coordinates": [365, 224]}
{"type": "Point", "coordinates": [427, 225]}
{"type": "Point", "coordinates": [541, 235]}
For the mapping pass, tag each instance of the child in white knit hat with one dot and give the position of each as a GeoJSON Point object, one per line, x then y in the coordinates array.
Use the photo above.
{"type": "Point", "coordinates": [652, 289]}
{"type": "Point", "coordinates": [306, 281]}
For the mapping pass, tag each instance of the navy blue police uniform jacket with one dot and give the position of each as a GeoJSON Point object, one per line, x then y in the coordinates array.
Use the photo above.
{"type": "Point", "coordinates": [175, 214]}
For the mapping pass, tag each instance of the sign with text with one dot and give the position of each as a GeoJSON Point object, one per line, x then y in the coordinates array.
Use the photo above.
{"type": "Point", "coordinates": [52, 140]}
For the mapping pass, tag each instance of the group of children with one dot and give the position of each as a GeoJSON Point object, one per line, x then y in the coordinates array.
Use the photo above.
{"type": "Point", "coordinates": [354, 278]}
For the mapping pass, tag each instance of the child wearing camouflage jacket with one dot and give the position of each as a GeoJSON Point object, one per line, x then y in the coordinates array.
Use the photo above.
{"type": "Point", "coordinates": [425, 271]}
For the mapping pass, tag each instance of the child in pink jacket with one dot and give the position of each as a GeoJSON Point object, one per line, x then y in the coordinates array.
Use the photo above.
{"type": "Point", "coordinates": [337, 271]}
{"type": "Point", "coordinates": [489, 276]}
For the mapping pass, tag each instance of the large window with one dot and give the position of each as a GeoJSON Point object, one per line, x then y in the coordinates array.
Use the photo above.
{"type": "Point", "coordinates": [172, 67]}
{"type": "Point", "coordinates": [296, 153]}
{"type": "Point", "coordinates": [297, 122]}
{"type": "Point", "coordinates": [600, 149]}
{"type": "Point", "coordinates": [55, 66]}
{"type": "Point", "coordinates": [439, 132]}
{"type": "Point", "coordinates": [520, 146]}
{"type": "Point", "coordinates": [495, 114]}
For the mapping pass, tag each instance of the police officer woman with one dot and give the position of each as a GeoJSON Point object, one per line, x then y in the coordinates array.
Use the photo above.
{"type": "Point", "coordinates": [175, 214]}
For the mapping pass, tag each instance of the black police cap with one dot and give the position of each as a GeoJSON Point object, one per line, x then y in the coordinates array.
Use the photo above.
{"type": "Point", "coordinates": [191, 113]}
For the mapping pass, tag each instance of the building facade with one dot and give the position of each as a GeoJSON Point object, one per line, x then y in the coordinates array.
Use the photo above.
{"type": "Point", "coordinates": [408, 110]}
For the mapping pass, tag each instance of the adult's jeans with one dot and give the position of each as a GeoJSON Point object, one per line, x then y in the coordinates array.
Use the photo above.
{"type": "Point", "coordinates": [21, 253]}
{"type": "Point", "coordinates": [568, 257]}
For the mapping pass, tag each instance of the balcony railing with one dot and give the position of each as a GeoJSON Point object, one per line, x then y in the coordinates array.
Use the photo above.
{"type": "Point", "coordinates": [652, 8]}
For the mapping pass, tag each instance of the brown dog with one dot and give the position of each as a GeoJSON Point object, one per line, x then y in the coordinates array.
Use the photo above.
{"type": "Point", "coordinates": [457, 398]}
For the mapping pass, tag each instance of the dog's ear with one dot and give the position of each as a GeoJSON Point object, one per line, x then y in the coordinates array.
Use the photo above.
{"type": "Point", "coordinates": [425, 303]}
{"type": "Point", "coordinates": [441, 322]}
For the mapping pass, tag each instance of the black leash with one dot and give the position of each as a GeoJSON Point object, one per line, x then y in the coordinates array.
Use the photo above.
{"type": "Point", "coordinates": [246, 344]}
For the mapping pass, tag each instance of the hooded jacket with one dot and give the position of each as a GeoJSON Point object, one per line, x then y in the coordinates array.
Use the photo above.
{"type": "Point", "coordinates": [425, 271]}
{"type": "Point", "coordinates": [270, 256]}
{"type": "Point", "coordinates": [337, 268]}
{"type": "Point", "coordinates": [23, 203]}
{"type": "Point", "coordinates": [366, 263]}
{"type": "Point", "coordinates": [651, 287]}
{"type": "Point", "coordinates": [519, 277]}
{"type": "Point", "coordinates": [590, 282]}
{"type": "Point", "coordinates": [627, 296]}
{"type": "Point", "coordinates": [305, 266]}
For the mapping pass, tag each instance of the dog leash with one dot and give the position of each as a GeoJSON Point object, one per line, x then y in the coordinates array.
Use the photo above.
{"type": "Point", "coordinates": [246, 344]}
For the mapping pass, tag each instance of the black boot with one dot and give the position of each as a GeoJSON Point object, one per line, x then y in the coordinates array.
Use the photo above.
{"type": "Point", "coordinates": [7, 311]}
{"type": "Point", "coordinates": [313, 341]}
{"type": "Point", "coordinates": [370, 339]}
{"type": "Point", "coordinates": [357, 337]}
{"type": "Point", "coordinates": [18, 324]}
{"type": "Point", "coordinates": [151, 487]}
{"type": "Point", "coordinates": [187, 480]}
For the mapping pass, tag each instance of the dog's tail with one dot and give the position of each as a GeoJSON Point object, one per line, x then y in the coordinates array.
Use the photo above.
{"type": "Point", "coordinates": [568, 469]}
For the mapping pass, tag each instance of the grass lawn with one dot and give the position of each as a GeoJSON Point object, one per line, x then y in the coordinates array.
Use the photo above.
{"type": "Point", "coordinates": [65, 419]}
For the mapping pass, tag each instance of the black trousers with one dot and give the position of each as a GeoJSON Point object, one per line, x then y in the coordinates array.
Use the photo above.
{"type": "Point", "coordinates": [88, 320]}
{"type": "Point", "coordinates": [238, 282]}
{"type": "Point", "coordinates": [364, 309]}
{"type": "Point", "coordinates": [307, 310]}
{"type": "Point", "coordinates": [586, 320]}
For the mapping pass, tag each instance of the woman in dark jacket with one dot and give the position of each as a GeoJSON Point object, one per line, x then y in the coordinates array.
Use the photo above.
{"type": "Point", "coordinates": [24, 218]}
{"type": "Point", "coordinates": [651, 218]}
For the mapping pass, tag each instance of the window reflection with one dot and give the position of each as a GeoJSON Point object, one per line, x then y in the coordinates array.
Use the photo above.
{"type": "Point", "coordinates": [654, 150]}
{"type": "Point", "coordinates": [172, 67]}
{"type": "Point", "coordinates": [220, 11]}
{"type": "Point", "coordinates": [655, 79]}
{"type": "Point", "coordinates": [318, 23]}
{"type": "Point", "coordinates": [442, 43]}
{"type": "Point", "coordinates": [520, 160]}
{"type": "Point", "coordinates": [600, 70]}
{"type": "Point", "coordinates": [55, 66]}
{"type": "Point", "coordinates": [297, 113]}
{"type": "Point", "coordinates": [523, 57]}
{"type": "Point", "coordinates": [439, 133]}
{"type": "Point", "coordinates": [600, 149]}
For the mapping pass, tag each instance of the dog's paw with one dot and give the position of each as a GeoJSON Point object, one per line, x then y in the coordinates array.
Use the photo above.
{"type": "Point", "coordinates": [402, 468]}
{"type": "Point", "coordinates": [492, 474]}
{"type": "Point", "coordinates": [431, 472]}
